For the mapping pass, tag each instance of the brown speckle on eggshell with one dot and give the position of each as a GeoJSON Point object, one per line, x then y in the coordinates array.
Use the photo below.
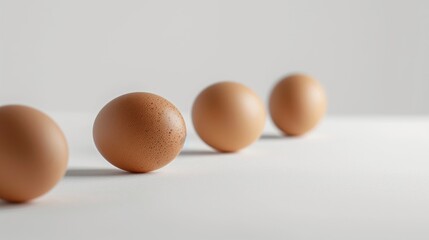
{"type": "Point", "coordinates": [139, 132]}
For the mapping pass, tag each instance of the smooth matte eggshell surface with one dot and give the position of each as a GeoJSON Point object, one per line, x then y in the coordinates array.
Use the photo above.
{"type": "Point", "coordinates": [297, 103]}
{"type": "Point", "coordinates": [228, 116]}
{"type": "Point", "coordinates": [33, 153]}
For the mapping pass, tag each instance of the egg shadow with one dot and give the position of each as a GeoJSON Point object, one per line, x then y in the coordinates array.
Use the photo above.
{"type": "Point", "coordinates": [5, 205]}
{"type": "Point", "coordinates": [94, 172]}
{"type": "Point", "coordinates": [198, 153]}
{"type": "Point", "coordinates": [272, 136]}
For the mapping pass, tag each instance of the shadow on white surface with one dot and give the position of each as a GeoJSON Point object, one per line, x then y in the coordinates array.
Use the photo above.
{"type": "Point", "coordinates": [94, 172]}
{"type": "Point", "coordinates": [10, 205]}
{"type": "Point", "coordinates": [198, 153]}
{"type": "Point", "coordinates": [273, 136]}
{"type": "Point", "coordinates": [307, 136]}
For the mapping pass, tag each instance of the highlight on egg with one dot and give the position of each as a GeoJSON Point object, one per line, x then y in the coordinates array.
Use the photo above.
{"type": "Point", "coordinates": [228, 116]}
{"type": "Point", "coordinates": [139, 132]}
{"type": "Point", "coordinates": [297, 104]}
{"type": "Point", "coordinates": [33, 153]}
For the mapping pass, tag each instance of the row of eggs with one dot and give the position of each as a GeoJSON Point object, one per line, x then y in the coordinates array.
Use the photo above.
{"type": "Point", "coordinates": [141, 132]}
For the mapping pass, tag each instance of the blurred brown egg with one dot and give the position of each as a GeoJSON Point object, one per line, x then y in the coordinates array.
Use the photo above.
{"type": "Point", "coordinates": [139, 132]}
{"type": "Point", "coordinates": [33, 153]}
{"type": "Point", "coordinates": [228, 116]}
{"type": "Point", "coordinates": [297, 104]}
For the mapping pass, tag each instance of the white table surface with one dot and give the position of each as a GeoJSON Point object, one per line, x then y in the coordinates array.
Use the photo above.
{"type": "Point", "coordinates": [351, 178]}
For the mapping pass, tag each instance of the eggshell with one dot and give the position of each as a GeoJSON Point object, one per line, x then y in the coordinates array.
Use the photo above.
{"type": "Point", "coordinates": [33, 153]}
{"type": "Point", "coordinates": [228, 116]}
{"type": "Point", "coordinates": [139, 132]}
{"type": "Point", "coordinates": [297, 103]}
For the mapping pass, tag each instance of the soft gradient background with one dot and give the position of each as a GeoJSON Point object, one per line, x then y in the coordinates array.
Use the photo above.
{"type": "Point", "coordinates": [372, 56]}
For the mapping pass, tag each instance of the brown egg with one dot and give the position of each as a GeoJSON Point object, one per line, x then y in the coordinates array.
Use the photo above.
{"type": "Point", "coordinates": [297, 104]}
{"type": "Point", "coordinates": [139, 132]}
{"type": "Point", "coordinates": [33, 153]}
{"type": "Point", "coordinates": [228, 116]}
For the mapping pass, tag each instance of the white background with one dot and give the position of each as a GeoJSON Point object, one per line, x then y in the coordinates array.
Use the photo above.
{"type": "Point", "coordinates": [372, 56]}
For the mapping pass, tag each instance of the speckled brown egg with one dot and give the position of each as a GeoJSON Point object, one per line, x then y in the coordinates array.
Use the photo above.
{"type": "Point", "coordinates": [139, 132]}
{"type": "Point", "coordinates": [33, 153]}
{"type": "Point", "coordinates": [297, 103]}
{"type": "Point", "coordinates": [228, 116]}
